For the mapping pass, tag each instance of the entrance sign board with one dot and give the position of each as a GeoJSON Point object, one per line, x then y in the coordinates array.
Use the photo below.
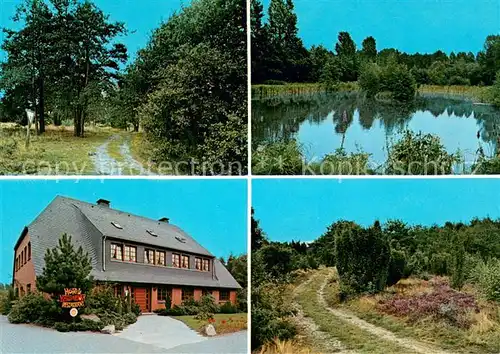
{"type": "Point", "coordinates": [72, 298]}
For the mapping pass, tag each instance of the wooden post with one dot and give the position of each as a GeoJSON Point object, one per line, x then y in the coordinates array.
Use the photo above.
{"type": "Point", "coordinates": [30, 114]}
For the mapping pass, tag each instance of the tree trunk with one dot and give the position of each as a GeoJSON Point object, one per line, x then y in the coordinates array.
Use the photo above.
{"type": "Point", "coordinates": [41, 106]}
{"type": "Point", "coordinates": [37, 130]}
{"type": "Point", "coordinates": [82, 123]}
{"type": "Point", "coordinates": [77, 122]}
{"type": "Point", "coordinates": [57, 118]}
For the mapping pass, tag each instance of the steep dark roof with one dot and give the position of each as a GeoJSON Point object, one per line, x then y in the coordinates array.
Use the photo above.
{"type": "Point", "coordinates": [146, 274]}
{"type": "Point", "coordinates": [135, 228]}
{"type": "Point", "coordinates": [88, 223]}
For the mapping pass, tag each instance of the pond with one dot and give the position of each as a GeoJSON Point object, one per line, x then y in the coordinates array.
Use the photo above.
{"type": "Point", "coordinates": [322, 123]}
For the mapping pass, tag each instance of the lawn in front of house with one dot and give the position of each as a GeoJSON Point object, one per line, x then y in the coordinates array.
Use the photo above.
{"type": "Point", "coordinates": [224, 323]}
{"type": "Point", "coordinates": [56, 152]}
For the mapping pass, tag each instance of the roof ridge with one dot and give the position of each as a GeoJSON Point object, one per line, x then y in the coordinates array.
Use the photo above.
{"type": "Point", "coordinates": [118, 211]}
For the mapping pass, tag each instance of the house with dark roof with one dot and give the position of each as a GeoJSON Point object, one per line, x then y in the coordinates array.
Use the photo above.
{"type": "Point", "coordinates": [151, 260]}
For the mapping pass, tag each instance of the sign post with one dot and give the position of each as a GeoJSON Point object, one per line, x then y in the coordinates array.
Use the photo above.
{"type": "Point", "coordinates": [31, 117]}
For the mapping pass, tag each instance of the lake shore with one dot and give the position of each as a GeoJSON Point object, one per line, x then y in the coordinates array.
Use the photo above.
{"type": "Point", "coordinates": [477, 94]}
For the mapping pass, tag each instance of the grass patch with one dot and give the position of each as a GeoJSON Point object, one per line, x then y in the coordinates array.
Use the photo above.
{"type": "Point", "coordinates": [224, 323]}
{"type": "Point", "coordinates": [351, 336]}
{"type": "Point", "coordinates": [479, 94]}
{"type": "Point", "coordinates": [285, 347]}
{"type": "Point", "coordinates": [482, 336]}
{"type": "Point", "coordinates": [56, 152]}
{"type": "Point", "coordinates": [140, 149]}
{"type": "Point", "coordinates": [265, 91]}
{"type": "Point", "coordinates": [114, 149]}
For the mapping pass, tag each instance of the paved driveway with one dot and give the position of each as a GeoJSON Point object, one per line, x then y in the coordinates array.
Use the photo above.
{"type": "Point", "coordinates": [32, 339]}
{"type": "Point", "coordinates": [167, 337]}
{"type": "Point", "coordinates": [161, 331]}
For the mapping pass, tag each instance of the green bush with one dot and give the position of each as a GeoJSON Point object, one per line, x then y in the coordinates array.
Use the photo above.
{"type": "Point", "coordinates": [101, 299]}
{"type": "Point", "coordinates": [397, 267]}
{"type": "Point", "coordinates": [341, 163]}
{"type": "Point", "coordinates": [400, 82]}
{"type": "Point", "coordinates": [458, 274]}
{"type": "Point", "coordinates": [440, 263]}
{"type": "Point", "coordinates": [241, 300]}
{"type": "Point", "coordinates": [278, 158]}
{"type": "Point", "coordinates": [370, 78]}
{"type": "Point", "coordinates": [495, 91]}
{"type": "Point", "coordinates": [35, 308]}
{"type": "Point", "coordinates": [83, 326]}
{"type": "Point", "coordinates": [363, 257]}
{"type": "Point", "coordinates": [419, 154]}
{"type": "Point", "coordinates": [228, 308]}
{"type": "Point", "coordinates": [7, 299]}
{"type": "Point", "coordinates": [207, 308]}
{"type": "Point", "coordinates": [270, 315]}
{"type": "Point", "coordinates": [487, 276]}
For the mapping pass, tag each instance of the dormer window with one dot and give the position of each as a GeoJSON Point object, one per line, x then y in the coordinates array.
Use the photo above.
{"type": "Point", "coordinates": [116, 251]}
{"type": "Point", "coordinates": [180, 239]}
{"type": "Point", "coordinates": [115, 224]}
{"type": "Point", "coordinates": [202, 264]}
{"type": "Point", "coordinates": [152, 233]}
{"type": "Point", "coordinates": [185, 261]}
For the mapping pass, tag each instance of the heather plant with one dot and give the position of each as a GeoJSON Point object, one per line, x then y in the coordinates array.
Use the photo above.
{"type": "Point", "coordinates": [442, 302]}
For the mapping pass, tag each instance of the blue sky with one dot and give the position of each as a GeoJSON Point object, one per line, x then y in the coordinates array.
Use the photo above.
{"type": "Point", "coordinates": [301, 209]}
{"type": "Point", "coordinates": [214, 212]}
{"type": "Point", "coordinates": [408, 25]}
{"type": "Point", "coordinates": [140, 16]}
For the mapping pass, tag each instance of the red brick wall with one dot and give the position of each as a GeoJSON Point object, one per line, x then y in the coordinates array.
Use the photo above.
{"type": "Point", "coordinates": [25, 274]}
{"type": "Point", "coordinates": [232, 297]}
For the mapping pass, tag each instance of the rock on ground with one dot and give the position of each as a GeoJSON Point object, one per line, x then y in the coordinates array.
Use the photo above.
{"type": "Point", "coordinates": [210, 330]}
{"type": "Point", "coordinates": [109, 329]}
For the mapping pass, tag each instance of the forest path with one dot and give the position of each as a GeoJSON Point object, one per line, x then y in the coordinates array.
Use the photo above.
{"type": "Point", "coordinates": [310, 330]}
{"type": "Point", "coordinates": [382, 333]}
{"type": "Point", "coordinates": [113, 158]}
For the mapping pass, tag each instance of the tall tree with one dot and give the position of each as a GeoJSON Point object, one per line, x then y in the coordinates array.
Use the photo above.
{"type": "Point", "coordinates": [258, 238]}
{"type": "Point", "coordinates": [287, 53]}
{"type": "Point", "coordinates": [65, 267]}
{"type": "Point", "coordinates": [345, 45]}
{"type": "Point", "coordinates": [489, 58]}
{"type": "Point", "coordinates": [259, 41]}
{"type": "Point", "coordinates": [348, 61]}
{"type": "Point", "coordinates": [369, 50]}
{"type": "Point", "coordinates": [29, 56]}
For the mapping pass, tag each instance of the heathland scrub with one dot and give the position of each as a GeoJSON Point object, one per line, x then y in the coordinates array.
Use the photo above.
{"type": "Point", "coordinates": [346, 332]}
{"type": "Point", "coordinates": [361, 326]}
{"type": "Point", "coordinates": [464, 322]}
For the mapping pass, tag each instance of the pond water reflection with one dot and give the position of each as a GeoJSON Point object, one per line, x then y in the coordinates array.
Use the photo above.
{"type": "Point", "coordinates": [322, 123]}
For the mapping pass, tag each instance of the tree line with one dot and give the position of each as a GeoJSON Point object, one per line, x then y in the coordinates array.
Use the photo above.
{"type": "Point", "coordinates": [279, 55]}
{"type": "Point", "coordinates": [187, 88]}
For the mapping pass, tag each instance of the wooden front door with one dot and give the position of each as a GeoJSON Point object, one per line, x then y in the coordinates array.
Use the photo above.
{"type": "Point", "coordinates": [142, 297]}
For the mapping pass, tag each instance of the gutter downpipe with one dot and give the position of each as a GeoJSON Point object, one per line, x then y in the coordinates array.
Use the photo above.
{"type": "Point", "coordinates": [104, 253]}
